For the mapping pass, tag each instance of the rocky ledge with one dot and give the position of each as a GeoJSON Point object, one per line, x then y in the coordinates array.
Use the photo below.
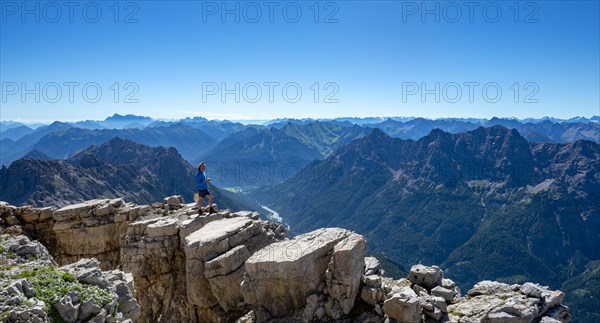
{"type": "Point", "coordinates": [228, 267]}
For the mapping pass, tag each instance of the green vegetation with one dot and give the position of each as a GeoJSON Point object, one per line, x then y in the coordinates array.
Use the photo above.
{"type": "Point", "coordinates": [324, 137]}
{"type": "Point", "coordinates": [68, 277]}
{"type": "Point", "coordinates": [582, 294]}
{"type": "Point", "coordinates": [51, 285]}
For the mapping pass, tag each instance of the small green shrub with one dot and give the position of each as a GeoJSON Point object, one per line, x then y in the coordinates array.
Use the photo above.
{"type": "Point", "coordinates": [68, 277]}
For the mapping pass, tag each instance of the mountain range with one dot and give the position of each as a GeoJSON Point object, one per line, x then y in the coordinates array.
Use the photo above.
{"type": "Point", "coordinates": [486, 204]}
{"type": "Point", "coordinates": [261, 156]}
{"type": "Point", "coordinates": [117, 168]}
{"type": "Point", "coordinates": [195, 137]}
{"type": "Point", "coordinates": [59, 141]}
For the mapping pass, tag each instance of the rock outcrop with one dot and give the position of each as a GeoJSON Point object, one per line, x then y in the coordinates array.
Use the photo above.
{"type": "Point", "coordinates": [85, 230]}
{"type": "Point", "coordinates": [426, 296]}
{"type": "Point", "coordinates": [34, 290]}
{"type": "Point", "coordinates": [181, 266]}
{"type": "Point", "coordinates": [318, 271]}
{"type": "Point", "coordinates": [189, 267]}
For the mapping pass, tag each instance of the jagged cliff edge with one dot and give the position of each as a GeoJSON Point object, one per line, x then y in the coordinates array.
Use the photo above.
{"type": "Point", "coordinates": [166, 263]}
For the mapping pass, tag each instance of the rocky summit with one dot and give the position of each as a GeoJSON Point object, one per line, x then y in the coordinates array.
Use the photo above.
{"type": "Point", "coordinates": [167, 262]}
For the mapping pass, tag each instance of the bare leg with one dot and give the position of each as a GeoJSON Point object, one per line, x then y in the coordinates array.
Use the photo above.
{"type": "Point", "coordinates": [200, 199]}
{"type": "Point", "coordinates": [210, 200]}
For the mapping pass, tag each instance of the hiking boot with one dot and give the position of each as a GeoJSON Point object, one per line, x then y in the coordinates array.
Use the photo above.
{"type": "Point", "coordinates": [211, 211]}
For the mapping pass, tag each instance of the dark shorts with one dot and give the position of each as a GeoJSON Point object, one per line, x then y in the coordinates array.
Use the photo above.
{"type": "Point", "coordinates": [203, 193]}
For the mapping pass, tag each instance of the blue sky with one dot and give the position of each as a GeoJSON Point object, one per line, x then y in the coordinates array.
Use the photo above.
{"type": "Point", "coordinates": [366, 58]}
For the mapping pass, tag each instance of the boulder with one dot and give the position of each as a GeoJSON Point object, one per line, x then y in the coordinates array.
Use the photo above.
{"type": "Point", "coordinates": [425, 276]}
{"type": "Point", "coordinates": [67, 310]}
{"type": "Point", "coordinates": [487, 287]}
{"type": "Point", "coordinates": [87, 271]}
{"type": "Point", "coordinates": [372, 295]}
{"type": "Point", "coordinates": [446, 294]}
{"type": "Point", "coordinates": [421, 291]}
{"type": "Point", "coordinates": [532, 290]}
{"type": "Point", "coordinates": [372, 266]}
{"type": "Point", "coordinates": [372, 281]}
{"type": "Point", "coordinates": [403, 306]}
{"type": "Point", "coordinates": [451, 285]}
{"type": "Point", "coordinates": [174, 201]}
{"type": "Point", "coordinates": [163, 227]}
{"type": "Point", "coordinates": [282, 275]}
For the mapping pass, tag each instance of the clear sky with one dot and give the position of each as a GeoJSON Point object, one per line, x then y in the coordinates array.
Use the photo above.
{"type": "Point", "coordinates": [354, 58]}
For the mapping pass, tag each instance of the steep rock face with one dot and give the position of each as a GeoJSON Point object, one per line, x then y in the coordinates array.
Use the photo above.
{"type": "Point", "coordinates": [92, 229]}
{"type": "Point", "coordinates": [189, 267]}
{"type": "Point", "coordinates": [286, 276]}
{"type": "Point", "coordinates": [86, 230]}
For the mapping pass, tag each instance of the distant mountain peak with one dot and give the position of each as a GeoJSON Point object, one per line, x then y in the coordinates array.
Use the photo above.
{"type": "Point", "coordinates": [437, 132]}
{"type": "Point", "coordinates": [59, 124]}
{"type": "Point", "coordinates": [127, 117]}
{"type": "Point", "coordinates": [36, 155]}
{"type": "Point", "coordinates": [378, 134]}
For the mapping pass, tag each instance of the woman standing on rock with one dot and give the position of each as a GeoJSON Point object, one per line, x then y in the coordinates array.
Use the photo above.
{"type": "Point", "coordinates": [202, 187]}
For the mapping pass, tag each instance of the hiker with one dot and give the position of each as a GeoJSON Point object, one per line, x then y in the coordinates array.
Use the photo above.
{"type": "Point", "coordinates": [202, 186]}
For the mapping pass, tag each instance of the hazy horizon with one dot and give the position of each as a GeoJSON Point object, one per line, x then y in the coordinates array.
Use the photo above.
{"type": "Point", "coordinates": [262, 121]}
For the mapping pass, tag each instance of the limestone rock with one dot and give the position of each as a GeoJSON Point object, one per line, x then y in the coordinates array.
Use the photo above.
{"type": "Point", "coordinates": [87, 271]}
{"type": "Point", "coordinates": [90, 229]}
{"type": "Point", "coordinates": [433, 306]}
{"type": "Point", "coordinates": [403, 306]}
{"type": "Point", "coordinates": [67, 310]}
{"type": "Point", "coordinates": [425, 276]}
{"type": "Point", "coordinates": [198, 268]}
{"type": "Point", "coordinates": [225, 273]}
{"type": "Point", "coordinates": [372, 266]}
{"type": "Point", "coordinates": [202, 245]}
{"type": "Point", "coordinates": [499, 302]}
{"type": "Point", "coordinates": [421, 291]}
{"type": "Point", "coordinates": [372, 281]}
{"type": "Point", "coordinates": [174, 202]}
{"type": "Point", "coordinates": [345, 269]}
{"type": "Point", "coordinates": [451, 285]}
{"type": "Point", "coordinates": [446, 294]}
{"type": "Point", "coordinates": [21, 302]}
{"type": "Point", "coordinates": [123, 285]}
{"type": "Point", "coordinates": [487, 287]}
{"type": "Point", "coordinates": [282, 275]}
{"type": "Point", "coordinates": [372, 295]}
